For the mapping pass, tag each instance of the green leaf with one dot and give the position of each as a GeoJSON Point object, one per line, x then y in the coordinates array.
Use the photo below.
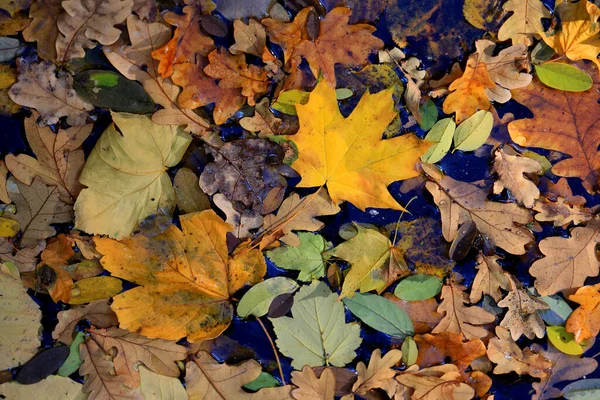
{"type": "Point", "coordinates": [306, 258]}
{"type": "Point", "coordinates": [429, 114]}
{"type": "Point", "coordinates": [343, 93]}
{"type": "Point", "coordinates": [111, 90]}
{"type": "Point", "coordinates": [558, 312]}
{"type": "Point", "coordinates": [317, 334]}
{"type": "Point", "coordinates": [541, 53]}
{"type": "Point", "coordinates": [563, 340]}
{"type": "Point", "coordinates": [287, 100]}
{"type": "Point", "coordinates": [585, 389]}
{"type": "Point", "coordinates": [474, 131]}
{"type": "Point", "coordinates": [418, 287]}
{"type": "Point", "coordinates": [563, 77]}
{"type": "Point", "coordinates": [410, 352]}
{"type": "Point", "coordinates": [441, 133]}
{"type": "Point", "coordinates": [264, 380]}
{"type": "Point", "coordinates": [73, 361]}
{"type": "Point", "coordinates": [381, 314]}
{"type": "Point", "coordinates": [257, 300]}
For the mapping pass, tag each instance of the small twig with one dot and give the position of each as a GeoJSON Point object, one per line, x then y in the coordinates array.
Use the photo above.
{"type": "Point", "coordinates": [274, 349]}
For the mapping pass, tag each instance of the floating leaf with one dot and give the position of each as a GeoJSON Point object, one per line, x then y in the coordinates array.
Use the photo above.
{"type": "Point", "coordinates": [158, 387]}
{"type": "Point", "coordinates": [378, 374]}
{"type": "Point", "coordinates": [585, 389]}
{"type": "Point", "coordinates": [563, 340]}
{"type": "Point", "coordinates": [95, 288]}
{"type": "Point", "coordinates": [563, 77]}
{"type": "Point", "coordinates": [42, 365]}
{"type": "Point", "coordinates": [584, 322]}
{"type": "Point", "coordinates": [474, 131]}
{"type": "Point", "coordinates": [258, 299]}
{"type": "Point", "coordinates": [311, 387]}
{"type": "Point", "coordinates": [410, 352]}
{"type": "Point", "coordinates": [52, 388]}
{"type": "Point", "coordinates": [307, 257]}
{"type": "Point", "coordinates": [264, 380]}
{"type": "Point", "coordinates": [511, 172]}
{"type": "Point", "coordinates": [73, 361]}
{"type": "Point", "coordinates": [441, 134]}
{"type": "Point", "coordinates": [524, 22]}
{"type": "Point", "coordinates": [418, 287]}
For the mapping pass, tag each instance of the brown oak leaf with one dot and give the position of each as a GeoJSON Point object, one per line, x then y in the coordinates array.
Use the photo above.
{"type": "Point", "coordinates": [43, 28]}
{"type": "Point", "coordinates": [378, 374]}
{"type": "Point", "coordinates": [311, 387]}
{"type": "Point", "coordinates": [25, 259]}
{"type": "Point", "coordinates": [561, 213]}
{"type": "Point", "coordinates": [98, 313]}
{"type": "Point", "coordinates": [489, 280]}
{"type": "Point", "coordinates": [249, 38]}
{"type": "Point", "coordinates": [263, 122]}
{"type": "Point", "coordinates": [434, 383]}
{"type": "Point", "coordinates": [511, 170]}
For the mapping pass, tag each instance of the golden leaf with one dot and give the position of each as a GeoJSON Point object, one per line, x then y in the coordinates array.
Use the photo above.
{"type": "Point", "coordinates": [584, 322]}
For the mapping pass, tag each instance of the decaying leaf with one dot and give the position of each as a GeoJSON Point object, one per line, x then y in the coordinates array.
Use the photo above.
{"type": "Point", "coordinates": [524, 22]}
{"type": "Point", "coordinates": [126, 175]}
{"type": "Point", "coordinates": [25, 259]}
{"type": "Point", "coordinates": [378, 374]}
{"type": "Point", "coordinates": [86, 21]}
{"type": "Point", "coordinates": [306, 340]}
{"type": "Point", "coordinates": [561, 212]}
{"type": "Point", "coordinates": [195, 278]}
{"type": "Point", "coordinates": [250, 38]}
{"type": "Point", "coordinates": [207, 379]}
{"type": "Point", "coordinates": [511, 172]}
{"type": "Point", "coordinates": [20, 316]}
{"type": "Point", "coordinates": [338, 42]}
{"type": "Point", "coordinates": [263, 121]}
{"type": "Point", "coordinates": [50, 92]}
{"type": "Point", "coordinates": [459, 318]}
{"type": "Point", "coordinates": [489, 280]}
{"type": "Point", "coordinates": [584, 322]}
{"type": "Point", "coordinates": [98, 313]}
{"type": "Point", "coordinates": [242, 222]}
{"type": "Point", "coordinates": [43, 28]}
{"type": "Point", "coordinates": [311, 387]}
{"type": "Point", "coordinates": [503, 351]}
{"type": "Point", "coordinates": [568, 261]}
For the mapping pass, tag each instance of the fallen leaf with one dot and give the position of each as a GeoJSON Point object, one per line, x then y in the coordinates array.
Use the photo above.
{"type": "Point", "coordinates": [20, 328]}
{"type": "Point", "coordinates": [447, 384]}
{"type": "Point", "coordinates": [206, 379]}
{"type": "Point", "coordinates": [584, 322]}
{"type": "Point", "coordinates": [378, 374]}
{"type": "Point", "coordinates": [247, 172]}
{"type": "Point", "coordinates": [14, 6]}
{"type": "Point", "coordinates": [297, 214]}
{"type": "Point", "coordinates": [564, 368]}
{"type": "Point", "coordinates": [422, 313]}
{"type": "Point", "coordinates": [381, 314]}
{"type": "Point", "coordinates": [459, 318]}
{"type": "Point", "coordinates": [249, 38]}
{"type": "Point", "coordinates": [522, 317]}
{"type": "Point", "coordinates": [38, 206]}
{"type": "Point", "coordinates": [135, 62]}
{"type": "Point", "coordinates": [160, 387]}
{"type": "Point", "coordinates": [374, 164]}
{"type": "Point", "coordinates": [564, 341]}
{"type": "Point", "coordinates": [95, 288]}
{"type": "Point", "coordinates": [145, 9]}
{"type": "Point", "coordinates": [135, 153]}
{"type": "Point", "coordinates": [25, 259]}
{"type": "Point", "coordinates": [468, 93]}
{"type": "Point", "coordinates": [562, 121]}
{"type": "Point", "coordinates": [86, 21]}
{"type": "Point", "coordinates": [461, 201]}
{"type": "Point", "coordinates": [375, 262]}
{"type": "Point", "coordinates": [52, 388]}
{"type": "Point", "coordinates": [98, 313]}
{"type": "Point", "coordinates": [489, 280]}
{"type": "Point", "coordinates": [264, 121]}
{"type": "Point", "coordinates": [43, 28]}
{"type": "Point", "coordinates": [524, 22]}
{"type": "Point", "coordinates": [473, 132]}
{"type": "Point", "coordinates": [190, 198]}
{"type": "Point", "coordinates": [306, 341]}
{"type": "Point", "coordinates": [8, 76]}
{"type": "Point", "coordinates": [577, 36]}
{"type": "Point", "coordinates": [484, 15]}
{"type": "Point", "coordinates": [568, 261]}
{"type": "Point", "coordinates": [56, 281]}
{"type": "Point", "coordinates": [503, 351]}
{"type": "Point", "coordinates": [3, 192]}
{"type": "Point", "coordinates": [562, 76]}
{"type": "Point", "coordinates": [311, 387]}
{"type": "Point", "coordinates": [337, 43]}
{"type": "Point", "coordinates": [434, 348]}
{"type": "Point", "coordinates": [511, 172]}
{"type": "Point", "coordinates": [242, 222]}
{"type": "Point", "coordinates": [58, 251]}
{"type": "Point", "coordinates": [257, 301]}
{"type": "Point", "coordinates": [308, 257]}
{"type": "Point", "coordinates": [233, 72]}
{"type": "Point", "coordinates": [59, 158]}
{"type": "Point", "coordinates": [50, 92]}
{"type": "Point", "coordinates": [42, 365]}
{"type": "Point", "coordinates": [196, 278]}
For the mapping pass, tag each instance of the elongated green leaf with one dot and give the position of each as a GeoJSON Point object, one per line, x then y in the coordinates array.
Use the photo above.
{"type": "Point", "coordinates": [563, 77]}
{"type": "Point", "coordinates": [381, 314]}
{"type": "Point", "coordinates": [418, 287]}
{"type": "Point", "coordinates": [410, 352]}
{"type": "Point", "coordinates": [306, 258]}
{"type": "Point", "coordinates": [73, 361]}
{"type": "Point", "coordinates": [441, 133]}
{"type": "Point", "coordinates": [317, 334]}
{"type": "Point", "coordinates": [264, 380]}
{"type": "Point", "coordinates": [429, 114]}
{"type": "Point", "coordinates": [585, 389]}
{"type": "Point", "coordinates": [257, 300]}
{"type": "Point", "coordinates": [473, 132]}
{"type": "Point", "coordinates": [563, 340]}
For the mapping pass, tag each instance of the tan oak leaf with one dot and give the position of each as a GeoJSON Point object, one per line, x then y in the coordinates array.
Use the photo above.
{"type": "Point", "coordinates": [522, 317]}
{"type": "Point", "coordinates": [489, 280]}
{"type": "Point", "coordinates": [312, 388]}
{"type": "Point", "coordinates": [511, 170]}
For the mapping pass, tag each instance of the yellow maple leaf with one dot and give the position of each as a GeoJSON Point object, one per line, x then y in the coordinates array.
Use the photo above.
{"type": "Point", "coordinates": [577, 38]}
{"type": "Point", "coordinates": [186, 278]}
{"type": "Point", "coordinates": [348, 154]}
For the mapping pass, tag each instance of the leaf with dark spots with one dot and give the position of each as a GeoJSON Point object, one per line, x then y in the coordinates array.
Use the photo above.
{"type": "Point", "coordinates": [245, 171]}
{"type": "Point", "coordinates": [42, 365]}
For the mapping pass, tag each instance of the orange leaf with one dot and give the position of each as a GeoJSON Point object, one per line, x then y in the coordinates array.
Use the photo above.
{"type": "Point", "coordinates": [186, 278]}
{"type": "Point", "coordinates": [58, 251]}
{"type": "Point", "coordinates": [422, 313]}
{"type": "Point", "coordinates": [468, 92]}
{"type": "Point", "coordinates": [584, 322]}
{"type": "Point", "coordinates": [433, 349]}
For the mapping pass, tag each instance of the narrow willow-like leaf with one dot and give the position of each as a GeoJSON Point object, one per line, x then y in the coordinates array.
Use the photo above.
{"type": "Point", "coordinates": [472, 133]}
{"type": "Point", "coordinates": [441, 133]}
{"type": "Point", "coordinates": [381, 314]}
{"type": "Point", "coordinates": [585, 389]}
{"type": "Point", "coordinates": [563, 77]}
{"type": "Point", "coordinates": [418, 287]}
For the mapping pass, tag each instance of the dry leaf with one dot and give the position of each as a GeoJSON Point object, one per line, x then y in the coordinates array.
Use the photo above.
{"type": "Point", "coordinates": [249, 38]}
{"type": "Point", "coordinates": [522, 317]}
{"type": "Point", "coordinates": [436, 383]}
{"type": "Point", "coordinates": [98, 313]}
{"type": "Point", "coordinates": [53, 387]}
{"type": "Point", "coordinates": [524, 22]}
{"type": "Point", "coordinates": [337, 43]}
{"type": "Point", "coordinates": [59, 158]}
{"type": "Point", "coordinates": [561, 212]}
{"type": "Point", "coordinates": [568, 261]}
{"type": "Point", "coordinates": [241, 222]}
{"type": "Point", "coordinates": [312, 388]}
{"type": "Point", "coordinates": [187, 192]}
{"type": "Point", "coordinates": [145, 9]}
{"type": "Point", "coordinates": [435, 348]}
{"type": "Point", "coordinates": [459, 202]}
{"type": "Point", "coordinates": [379, 374]}
{"type": "Point", "coordinates": [56, 281]}
{"type": "Point", "coordinates": [511, 172]}
{"type": "Point", "coordinates": [186, 278]}
{"type": "Point", "coordinates": [86, 21]}
{"type": "Point", "coordinates": [584, 322]}
{"type": "Point", "coordinates": [43, 28]}
{"type": "Point", "coordinates": [459, 318]}
{"type": "Point", "coordinates": [468, 93]}
{"type": "Point", "coordinates": [263, 121]}
{"type": "Point", "coordinates": [489, 280]}
{"type": "Point", "coordinates": [25, 259]}
{"type": "Point", "coordinates": [566, 122]}
{"type": "Point", "coordinates": [3, 193]}
{"type": "Point", "coordinates": [207, 379]}
{"type": "Point", "coordinates": [49, 91]}
{"type": "Point", "coordinates": [422, 313]}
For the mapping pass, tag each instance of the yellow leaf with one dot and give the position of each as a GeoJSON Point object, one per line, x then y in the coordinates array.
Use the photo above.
{"type": "Point", "coordinates": [347, 154]}
{"type": "Point", "coordinates": [525, 21]}
{"type": "Point", "coordinates": [8, 227]}
{"type": "Point", "coordinates": [186, 278]}
{"type": "Point", "coordinates": [95, 288]}
{"type": "Point", "coordinates": [126, 175]}
{"type": "Point", "coordinates": [577, 38]}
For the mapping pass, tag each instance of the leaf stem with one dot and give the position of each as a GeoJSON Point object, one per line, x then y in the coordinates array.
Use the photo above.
{"type": "Point", "coordinates": [262, 325]}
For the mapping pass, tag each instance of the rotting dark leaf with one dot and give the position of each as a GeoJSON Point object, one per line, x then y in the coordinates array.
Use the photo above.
{"type": "Point", "coordinates": [213, 25]}
{"type": "Point", "coordinates": [42, 365]}
{"type": "Point", "coordinates": [463, 241]}
{"type": "Point", "coordinates": [281, 305]}
{"type": "Point", "coordinates": [313, 25]}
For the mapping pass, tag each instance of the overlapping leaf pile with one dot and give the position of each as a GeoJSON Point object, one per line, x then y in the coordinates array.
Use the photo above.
{"type": "Point", "coordinates": [238, 131]}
